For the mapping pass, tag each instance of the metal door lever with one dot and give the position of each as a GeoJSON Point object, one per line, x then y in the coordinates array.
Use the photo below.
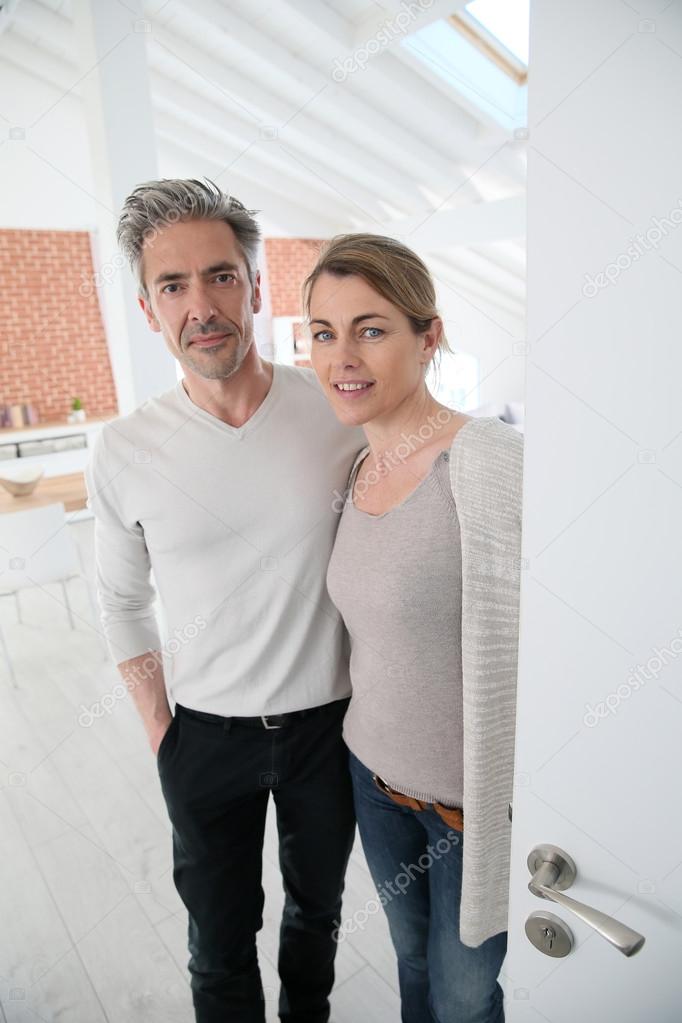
{"type": "Point", "coordinates": [553, 870]}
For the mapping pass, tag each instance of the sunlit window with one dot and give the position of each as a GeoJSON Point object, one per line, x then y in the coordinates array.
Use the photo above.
{"type": "Point", "coordinates": [481, 54]}
{"type": "Point", "coordinates": [506, 21]}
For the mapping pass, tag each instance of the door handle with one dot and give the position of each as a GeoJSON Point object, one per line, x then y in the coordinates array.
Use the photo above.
{"type": "Point", "coordinates": [552, 871]}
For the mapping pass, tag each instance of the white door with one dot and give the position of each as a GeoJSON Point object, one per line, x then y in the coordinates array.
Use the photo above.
{"type": "Point", "coordinates": [599, 725]}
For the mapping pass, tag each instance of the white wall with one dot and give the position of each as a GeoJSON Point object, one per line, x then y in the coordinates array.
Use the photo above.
{"type": "Point", "coordinates": [46, 177]}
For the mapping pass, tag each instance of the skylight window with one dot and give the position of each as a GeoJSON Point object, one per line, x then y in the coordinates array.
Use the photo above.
{"type": "Point", "coordinates": [506, 21]}
{"type": "Point", "coordinates": [481, 53]}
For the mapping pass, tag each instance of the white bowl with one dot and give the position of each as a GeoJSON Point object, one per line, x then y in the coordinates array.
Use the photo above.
{"type": "Point", "coordinates": [20, 481]}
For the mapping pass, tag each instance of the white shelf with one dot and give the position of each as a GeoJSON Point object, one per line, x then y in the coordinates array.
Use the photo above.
{"type": "Point", "coordinates": [10, 435]}
{"type": "Point", "coordinates": [55, 463]}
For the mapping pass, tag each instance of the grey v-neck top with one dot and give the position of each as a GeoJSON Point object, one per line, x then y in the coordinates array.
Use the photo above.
{"type": "Point", "coordinates": [396, 580]}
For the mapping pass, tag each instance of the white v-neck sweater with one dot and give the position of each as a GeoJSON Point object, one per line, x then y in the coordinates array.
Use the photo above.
{"type": "Point", "coordinates": [237, 527]}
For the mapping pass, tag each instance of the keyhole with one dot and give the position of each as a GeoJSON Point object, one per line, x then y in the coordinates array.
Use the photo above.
{"type": "Point", "coordinates": [549, 933]}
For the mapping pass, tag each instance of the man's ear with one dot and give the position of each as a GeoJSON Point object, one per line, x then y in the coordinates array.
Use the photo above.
{"type": "Point", "coordinates": [256, 297]}
{"type": "Point", "coordinates": [146, 307]}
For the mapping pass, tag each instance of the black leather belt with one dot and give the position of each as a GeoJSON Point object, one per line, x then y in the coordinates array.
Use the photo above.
{"type": "Point", "coordinates": [268, 721]}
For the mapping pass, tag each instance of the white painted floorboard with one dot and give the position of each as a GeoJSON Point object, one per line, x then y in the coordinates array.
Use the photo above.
{"type": "Point", "coordinates": [92, 929]}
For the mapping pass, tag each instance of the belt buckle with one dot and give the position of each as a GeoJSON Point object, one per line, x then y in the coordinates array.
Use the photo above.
{"type": "Point", "coordinates": [264, 719]}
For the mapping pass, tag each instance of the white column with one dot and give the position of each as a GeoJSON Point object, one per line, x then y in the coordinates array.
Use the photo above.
{"type": "Point", "coordinates": [117, 104]}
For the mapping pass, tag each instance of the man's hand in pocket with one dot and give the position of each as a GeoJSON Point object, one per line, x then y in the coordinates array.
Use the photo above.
{"type": "Point", "coordinates": [157, 733]}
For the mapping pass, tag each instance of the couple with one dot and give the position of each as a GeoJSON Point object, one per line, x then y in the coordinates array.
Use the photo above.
{"type": "Point", "coordinates": [227, 488]}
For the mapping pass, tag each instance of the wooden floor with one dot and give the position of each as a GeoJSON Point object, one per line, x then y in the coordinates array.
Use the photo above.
{"type": "Point", "coordinates": [91, 927]}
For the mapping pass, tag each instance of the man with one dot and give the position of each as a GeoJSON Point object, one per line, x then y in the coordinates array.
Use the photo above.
{"type": "Point", "coordinates": [225, 487]}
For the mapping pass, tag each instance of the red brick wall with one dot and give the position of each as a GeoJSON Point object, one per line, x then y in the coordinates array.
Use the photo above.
{"type": "Point", "coordinates": [289, 260]}
{"type": "Point", "coordinates": [52, 343]}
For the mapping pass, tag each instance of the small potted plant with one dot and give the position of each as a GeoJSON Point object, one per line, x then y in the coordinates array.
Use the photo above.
{"type": "Point", "coordinates": [77, 414]}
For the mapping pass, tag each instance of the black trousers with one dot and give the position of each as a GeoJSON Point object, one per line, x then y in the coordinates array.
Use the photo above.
{"type": "Point", "coordinates": [216, 777]}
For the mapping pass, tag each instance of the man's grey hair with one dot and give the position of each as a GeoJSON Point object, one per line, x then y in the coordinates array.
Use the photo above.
{"type": "Point", "coordinates": [157, 204]}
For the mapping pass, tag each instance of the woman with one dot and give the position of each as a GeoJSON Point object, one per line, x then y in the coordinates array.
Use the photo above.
{"type": "Point", "coordinates": [424, 572]}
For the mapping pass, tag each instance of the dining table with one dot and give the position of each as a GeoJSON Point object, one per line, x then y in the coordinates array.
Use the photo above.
{"type": "Point", "coordinates": [68, 490]}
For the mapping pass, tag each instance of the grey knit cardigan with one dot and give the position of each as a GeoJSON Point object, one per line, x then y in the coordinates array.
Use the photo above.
{"type": "Point", "coordinates": [486, 476]}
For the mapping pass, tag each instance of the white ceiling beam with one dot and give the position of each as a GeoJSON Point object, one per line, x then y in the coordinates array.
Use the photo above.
{"type": "Point", "coordinates": [265, 184]}
{"type": "Point", "coordinates": [329, 20]}
{"type": "Point", "coordinates": [482, 267]}
{"type": "Point", "coordinates": [480, 292]}
{"type": "Point", "coordinates": [391, 142]}
{"type": "Point", "coordinates": [17, 50]}
{"type": "Point", "coordinates": [45, 28]}
{"type": "Point", "coordinates": [309, 138]}
{"type": "Point", "coordinates": [278, 214]}
{"type": "Point", "coordinates": [482, 222]}
{"type": "Point", "coordinates": [420, 107]}
{"type": "Point", "coordinates": [395, 17]}
{"type": "Point", "coordinates": [243, 144]}
{"type": "Point", "coordinates": [381, 62]}
{"type": "Point", "coordinates": [6, 14]}
{"type": "Point", "coordinates": [384, 137]}
{"type": "Point", "coordinates": [261, 191]}
{"type": "Point", "coordinates": [385, 134]}
{"type": "Point", "coordinates": [232, 161]}
{"type": "Point", "coordinates": [318, 183]}
{"type": "Point", "coordinates": [510, 256]}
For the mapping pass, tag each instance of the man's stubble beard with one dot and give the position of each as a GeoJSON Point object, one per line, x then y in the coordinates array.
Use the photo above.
{"type": "Point", "coordinates": [223, 364]}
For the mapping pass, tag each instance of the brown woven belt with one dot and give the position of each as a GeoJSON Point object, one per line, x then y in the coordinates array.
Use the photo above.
{"type": "Point", "coordinates": [451, 815]}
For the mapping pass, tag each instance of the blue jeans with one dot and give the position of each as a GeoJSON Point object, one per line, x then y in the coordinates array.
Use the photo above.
{"type": "Point", "coordinates": [441, 980]}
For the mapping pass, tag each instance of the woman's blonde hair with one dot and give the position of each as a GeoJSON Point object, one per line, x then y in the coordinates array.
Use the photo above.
{"type": "Point", "coordinates": [391, 268]}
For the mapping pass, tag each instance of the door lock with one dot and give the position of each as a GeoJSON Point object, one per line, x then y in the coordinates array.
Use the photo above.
{"type": "Point", "coordinates": [549, 934]}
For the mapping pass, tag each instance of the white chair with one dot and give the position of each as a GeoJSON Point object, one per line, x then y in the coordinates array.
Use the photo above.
{"type": "Point", "coordinates": [36, 549]}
